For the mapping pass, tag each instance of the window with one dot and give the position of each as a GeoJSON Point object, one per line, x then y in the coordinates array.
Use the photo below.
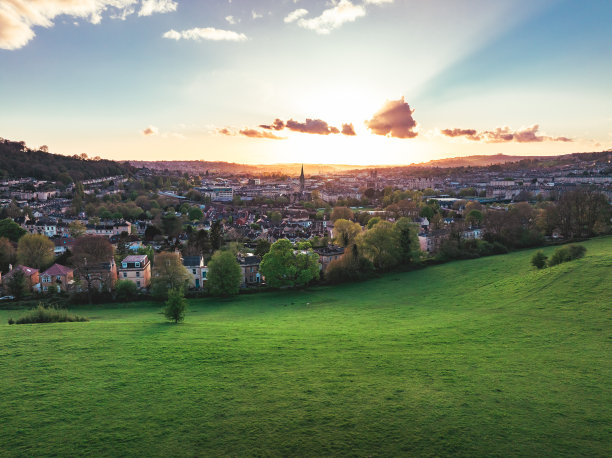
{"type": "Point", "coordinates": [138, 283]}
{"type": "Point", "coordinates": [45, 288]}
{"type": "Point", "coordinates": [124, 274]}
{"type": "Point", "coordinates": [138, 274]}
{"type": "Point", "coordinates": [58, 278]}
{"type": "Point", "coordinates": [137, 264]}
{"type": "Point", "coordinates": [203, 274]}
{"type": "Point", "coordinates": [194, 271]}
{"type": "Point", "coordinates": [124, 265]}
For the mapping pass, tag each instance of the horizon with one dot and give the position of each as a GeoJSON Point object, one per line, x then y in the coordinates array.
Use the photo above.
{"type": "Point", "coordinates": [351, 82]}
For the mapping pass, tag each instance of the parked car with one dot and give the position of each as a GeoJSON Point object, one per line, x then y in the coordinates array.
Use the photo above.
{"type": "Point", "coordinates": [7, 298]}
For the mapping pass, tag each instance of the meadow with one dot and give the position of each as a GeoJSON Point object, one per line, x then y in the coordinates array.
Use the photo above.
{"type": "Point", "coordinates": [481, 357]}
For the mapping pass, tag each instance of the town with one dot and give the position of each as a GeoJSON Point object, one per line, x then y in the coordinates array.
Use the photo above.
{"type": "Point", "coordinates": [103, 232]}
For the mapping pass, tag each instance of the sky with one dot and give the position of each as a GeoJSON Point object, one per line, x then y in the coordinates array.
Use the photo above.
{"type": "Point", "coordinates": [333, 81]}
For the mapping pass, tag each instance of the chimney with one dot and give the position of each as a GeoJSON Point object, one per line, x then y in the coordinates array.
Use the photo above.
{"type": "Point", "coordinates": [10, 267]}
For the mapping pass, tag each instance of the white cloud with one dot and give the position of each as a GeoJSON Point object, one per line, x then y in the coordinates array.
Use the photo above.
{"type": "Point", "coordinates": [256, 15]}
{"type": "Point", "coordinates": [377, 2]}
{"type": "Point", "coordinates": [295, 15]}
{"type": "Point", "coordinates": [230, 19]}
{"type": "Point", "coordinates": [332, 18]}
{"type": "Point", "coordinates": [18, 18]}
{"type": "Point", "coordinates": [207, 33]}
{"type": "Point", "coordinates": [150, 7]}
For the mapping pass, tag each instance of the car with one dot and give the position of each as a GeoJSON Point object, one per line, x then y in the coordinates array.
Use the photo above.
{"type": "Point", "coordinates": [7, 298]}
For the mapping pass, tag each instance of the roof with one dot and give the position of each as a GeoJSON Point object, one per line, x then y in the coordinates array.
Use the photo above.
{"type": "Point", "coordinates": [193, 261]}
{"type": "Point", "coordinates": [57, 269]}
{"type": "Point", "coordinates": [28, 271]}
{"type": "Point", "coordinates": [142, 258]}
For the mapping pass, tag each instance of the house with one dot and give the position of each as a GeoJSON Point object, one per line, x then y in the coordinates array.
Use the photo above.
{"type": "Point", "coordinates": [102, 276]}
{"type": "Point", "coordinates": [109, 229]}
{"type": "Point", "coordinates": [62, 244]}
{"type": "Point", "coordinates": [249, 264]}
{"type": "Point", "coordinates": [32, 276]}
{"type": "Point", "coordinates": [197, 271]}
{"type": "Point", "coordinates": [137, 269]}
{"type": "Point", "coordinates": [57, 276]}
{"type": "Point", "coordinates": [328, 254]}
{"type": "Point", "coordinates": [432, 241]}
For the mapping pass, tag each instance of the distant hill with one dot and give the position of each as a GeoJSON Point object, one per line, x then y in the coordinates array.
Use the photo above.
{"type": "Point", "coordinates": [19, 161]}
{"type": "Point", "coordinates": [478, 161]}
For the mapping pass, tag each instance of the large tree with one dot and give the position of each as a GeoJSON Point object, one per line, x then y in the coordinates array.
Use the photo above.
{"type": "Point", "coordinates": [11, 230]}
{"type": "Point", "coordinates": [345, 232]}
{"type": "Point", "coordinates": [35, 250]}
{"type": "Point", "coordinates": [8, 254]}
{"type": "Point", "coordinates": [342, 213]}
{"type": "Point", "coordinates": [284, 266]}
{"type": "Point", "coordinates": [168, 273]}
{"type": "Point", "coordinates": [408, 240]}
{"type": "Point", "coordinates": [224, 274]}
{"type": "Point", "coordinates": [381, 246]}
{"type": "Point", "coordinates": [89, 254]}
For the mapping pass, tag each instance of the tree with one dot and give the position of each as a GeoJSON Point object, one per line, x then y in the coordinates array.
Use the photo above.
{"type": "Point", "coordinates": [151, 232]}
{"type": "Point", "coordinates": [89, 254]}
{"type": "Point", "coordinates": [283, 266]}
{"type": "Point", "coordinates": [172, 225]}
{"type": "Point", "coordinates": [408, 240]}
{"type": "Point", "coordinates": [539, 260]}
{"type": "Point", "coordinates": [216, 235]}
{"type": "Point", "coordinates": [373, 221]}
{"type": "Point", "coordinates": [474, 217]}
{"type": "Point", "coordinates": [345, 232]}
{"type": "Point", "coordinates": [262, 248]}
{"type": "Point", "coordinates": [17, 284]}
{"type": "Point", "coordinates": [176, 306]}
{"type": "Point", "coordinates": [224, 274]}
{"type": "Point", "coordinates": [350, 267]}
{"type": "Point", "coordinates": [427, 212]}
{"type": "Point", "coordinates": [8, 255]}
{"type": "Point", "coordinates": [195, 214]}
{"type": "Point", "coordinates": [168, 273]}
{"type": "Point", "coordinates": [341, 213]}
{"type": "Point", "coordinates": [76, 229]}
{"type": "Point", "coordinates": [11, 230]}
{"type": "Point", "coordinates": [35, 250]}
{"type": "Point", "coordinates": [126, 290]}
{"type": "Point", "coordinates": [381, 245]}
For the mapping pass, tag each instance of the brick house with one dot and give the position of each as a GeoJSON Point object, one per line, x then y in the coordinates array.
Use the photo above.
{"type": "Point", "coordinates": [32, 276]}
{"type": "Point", "coordinates": [197, 271]}
{"type": "Point", "coordinates": [58, 276]}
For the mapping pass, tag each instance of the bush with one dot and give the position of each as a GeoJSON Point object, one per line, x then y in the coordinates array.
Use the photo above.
{"type": "Point", "coordinates": [566, 254]}
{"type": "Point", "coordinates": [42, 314]}
{"type": "Point", "coordinates": [539, 260]}
{"type": "Point", "coordinates": [126, 290]}
{"type": "Point", "coordinates": [11, 321]}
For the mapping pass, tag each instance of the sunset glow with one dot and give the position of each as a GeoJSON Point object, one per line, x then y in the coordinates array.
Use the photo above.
{"type": "Point", "coordinates": [164, 79]}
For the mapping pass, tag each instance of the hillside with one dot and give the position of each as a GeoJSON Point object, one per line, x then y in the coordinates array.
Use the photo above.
{"type": "Point", "coordinates": [19, 161]}
{"type": "Point", "coordinates": [471, 358]}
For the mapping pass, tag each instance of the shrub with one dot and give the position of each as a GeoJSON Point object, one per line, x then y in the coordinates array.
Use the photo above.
{"type": "Point", "coordinates": [11, 321]}
{"type": "Point", "coordinates": [42, 314]}
{"type": "Point", "coordinates": [126, 290]}
{"type": "Point", "coordinates": [539, 260]}
{"type": "Point", "coordinates": [566, 254]}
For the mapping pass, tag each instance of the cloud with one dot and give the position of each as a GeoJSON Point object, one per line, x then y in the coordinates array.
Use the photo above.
{"type": "Point", "coordinates": [312, 126]}
{"type": "Point", "coordinates": [394, 119]}
{"type": "Point", "coordinates": [377, 2]}
{"type": "Point", "coordinates": [348, 129]}
{"type": "Point", "coordinates": [150, 7]}
{"type": "Point", "coordinates": [276, 125]}
{"type": "Point", "coordinates": [149, 131]}
{"type": "Point", "coordinates": [252, 133]}
{"type": "Point", "coordinates": [505, 134]}
{"type": "Point", "coordinates": [231, 20]}
{"type": "Point", "coordinates": [207, 33]}
{"type": "Point", "coordinates": [18, 18]}
{"type": "Point", "coordinates": [295, 15]}
{"type": "Point", "coordinates": [332, 18]}
{"type": "Point", "coordinates": [472, 134]}
{"type": "Point", "coordinates": [256, 15]}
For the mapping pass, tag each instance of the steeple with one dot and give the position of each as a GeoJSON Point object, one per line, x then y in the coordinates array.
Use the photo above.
{"type": "Point", "coordinates": [302, 180]}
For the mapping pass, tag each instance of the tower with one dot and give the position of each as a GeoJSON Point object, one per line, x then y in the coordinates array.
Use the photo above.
{"type": "Point", "coordinates": [302, 180]}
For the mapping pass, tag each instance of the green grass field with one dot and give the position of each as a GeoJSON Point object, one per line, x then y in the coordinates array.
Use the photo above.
{"type": "Point", "coordinates": [482, 357]}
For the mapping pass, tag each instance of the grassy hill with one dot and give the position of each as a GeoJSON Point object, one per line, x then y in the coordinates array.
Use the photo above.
{"type": "Point", "coordinates": [481, 357]}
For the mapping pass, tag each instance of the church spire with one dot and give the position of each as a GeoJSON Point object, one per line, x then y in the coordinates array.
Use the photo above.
{"type": "Point", "coordinates": [302, 180]}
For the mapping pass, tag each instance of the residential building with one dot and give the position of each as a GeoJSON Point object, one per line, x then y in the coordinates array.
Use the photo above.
{"type": "Point", "coordinates": [249, 264]}
{"type": "Point", "coordinates": [137, 269]}
{"type": "Point", "coordinates": [328, 254]}
{"type": "Point", "coordinates": [197, 271]}
{"type": "Point", "coordinates": [57, 276]}
{"type": "Point", "coordinates": [32, 276]}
